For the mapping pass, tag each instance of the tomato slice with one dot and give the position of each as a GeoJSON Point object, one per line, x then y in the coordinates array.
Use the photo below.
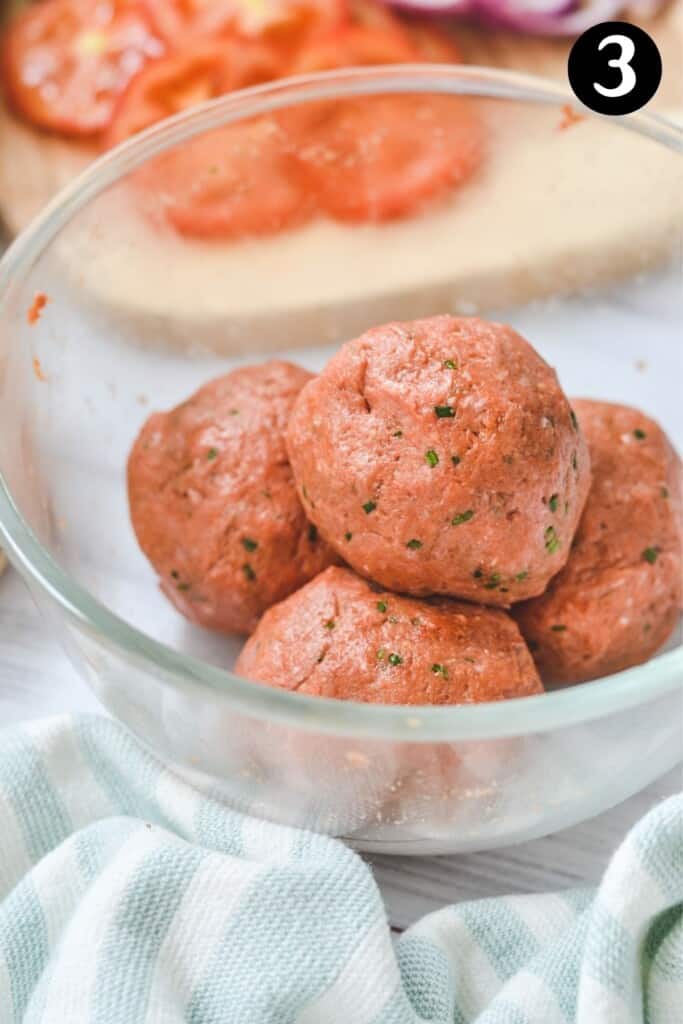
{"type": "Point", "coordinates": [180, 20]}
{"type": "Point", "coordinates": [356, 45]}
{"type": "Point", "coordinates": [182, 80]}
{"type": "Point", "coordinates": [239, 181]}
{"type": "Point", "coordinates": [66, 61]}
{"type": "Point", "coordinates": [384, 157]}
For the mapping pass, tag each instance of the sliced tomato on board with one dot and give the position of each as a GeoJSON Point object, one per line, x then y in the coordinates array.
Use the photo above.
{"type": "Point", "coordinates": [385, 157]}
{"type": "Point", "coordinates": [354, 46]}
{"type": "Point", "coordinates": [65, 62]}
{"type": "Point", "coordinates": [181, 20]}
{"type": "Point", "coordinates": [236, 182]}
{"type": "Point", "coordinates": [182, 80]}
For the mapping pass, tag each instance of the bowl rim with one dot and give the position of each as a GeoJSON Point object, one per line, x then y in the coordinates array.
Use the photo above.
{"type": "Point", "coordinates": [518, 716]}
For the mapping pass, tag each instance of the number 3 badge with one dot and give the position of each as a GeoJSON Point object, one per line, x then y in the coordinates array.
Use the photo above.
{"type": "Point", "coordinates": [614, 68]}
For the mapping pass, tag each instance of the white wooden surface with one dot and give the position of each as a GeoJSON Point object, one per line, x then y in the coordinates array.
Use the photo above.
{"type": "Point", "coordinates": [36, 679]}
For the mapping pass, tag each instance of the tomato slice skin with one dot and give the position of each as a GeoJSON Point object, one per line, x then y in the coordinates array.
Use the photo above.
{"type": "Point", "coordinates": [65, 62]}
{"type": "Point", "coordinates": [433, 44]}
{"type": "Point", "coordinates": [182, 80]}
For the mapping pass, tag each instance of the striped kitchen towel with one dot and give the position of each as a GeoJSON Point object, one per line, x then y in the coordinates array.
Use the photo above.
{"type": "Point", "coordinates": [126, 897]}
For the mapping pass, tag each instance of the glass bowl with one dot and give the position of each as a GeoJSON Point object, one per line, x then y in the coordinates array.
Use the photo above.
{"type": "Point", "coordinates": [137, 316]}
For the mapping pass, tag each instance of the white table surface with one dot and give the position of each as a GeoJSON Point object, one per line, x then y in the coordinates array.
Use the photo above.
{"type": "Point", "coordinates": [36, 679]}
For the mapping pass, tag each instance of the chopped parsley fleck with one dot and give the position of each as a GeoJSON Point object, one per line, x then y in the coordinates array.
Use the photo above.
{"type": "Point", "coordinates": [175, 574]}
{"type": "Point", "coordinates": [521, 576]}
{"type": "Point", "coordinates": [575, 461]}
{"type": "Point", "coordinates": [444, 412]}
{"type": "Point", "coordinates": [397, 433]}
{"type": "Point", "coordinates": [462, 517]}
{"type": "Point", "coordinates": [212, 454]}
{"type": "Point", "coordinates": [451, 364]}
{"type": "Point", "coordinates": [395, 659]}
{"type": "Point", "coordinates": [554, 502]}
{"type": "Point", "coordinates": [348, 535]}
{"type": "Point", "coordinates": [664, 491]}
{"type": "Point", "coordinates": [248, 572]}
{"type": "Point", "coordinates": [330, 624]}
{"type": "Point", "coordinates": [183, 586]}
{"type": "Point", "coordinates": [414, 544]}
{"type": "Point", "coordinates": [558, 628]}
{"type": "Point", "coordinates": [369, 507]}
{"type": "Point", "coordinates": [440, 670]}
{"type": "Point", "coordinates": [552, 541]}
{"type": "Point", "coordinates": [312, 533]}
{"type": "Point", "coordinates": [456, 460]}
{"type": "Point", "coordinates": [575, 422]}
{"type": "Point", "coordinates": [432, 458]}
{"type": "Point", "coordinates": [650, 555]}
{"type": "Point", "coordinates": [249, 544]}
{"type": "Point", "coordinates": [478, 573]}
{"type": "Point", "coordinates": [381, 654]}
{"type": "Point", "coordinates": [491, 585]}
{"type": "Point", "coordinates": [639, 434]}
{"type": "Point", "coordinates": [381, 606]}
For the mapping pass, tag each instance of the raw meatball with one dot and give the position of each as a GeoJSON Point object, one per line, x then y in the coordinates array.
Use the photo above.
{"type": "Point", "coordinates": [213, 501]}
{"type": "Point", "coordinates": [341, 636]}
{"type": "Point", "coordinates": [618, 598]}
{"type": "Point", "coordinates": [441, 456]}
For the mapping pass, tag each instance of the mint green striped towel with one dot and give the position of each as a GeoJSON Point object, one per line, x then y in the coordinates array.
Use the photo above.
{"type": "Point", "coordinates": [127, 897]}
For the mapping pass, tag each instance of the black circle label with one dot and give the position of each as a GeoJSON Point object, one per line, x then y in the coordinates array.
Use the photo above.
{"type": "Point", "coordinates": [614, 68]}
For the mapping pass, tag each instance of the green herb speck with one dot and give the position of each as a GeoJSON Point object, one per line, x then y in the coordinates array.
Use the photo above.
{"type": "Point", "coordinates": [249, 544]}
{"type": "Point", "coordinates": [175, 574]}
{"type": "Point", "coordinates": [348, 535]}
{"type": "Point", "coordinates": [650, 555]}
{"type": "Point", "coordinates": [451, 364]}
{"type": "Point", "coordinates": [440, 670]}
{"type": "Point", "coordinates": [478, 573]}
{"type": "Point", "coordinates": [414, 544]}
{"type": "Point", "coordinates": [554, 502]}
{"type": "Point", "coordinates": [369, 507]}
{"type": "Point", "coordinates": [212, 454]}
{"type": "Point", "coordinates": [664, 491]}
{"type": "Point", "coordinates": [444, 412]}
{"type": "Point", "coordinates": [183, 586]}
{"type": "Point", "coordinates": [330, 624]}
{"type": "Point", "coordinates": [575, 422]}
{"type": "Point", "coordinates": [381, 654]}
{"type": "Point", "coordinates": [432, 458]}
{"type": "Point", "coordinates": [552, 541]}
{"type": "Point", "coordinates": [521, 576]}
{"type": "Point", "coordinates": [248, 572]}
{"type": "Point", "coordinates": [462, 517]}
{"type": "Point", "coordinates": [397, 433]}
{"type": "Point", "coordinates": [558, 628]}
{"type": "Point", "coordinates": [575, 461]}
{"type": "Point", "coordinates": [395, 659]}
{"type": "Point", "coordinates": [312, 533]}
{"type": "Point", "coordinates": [381, 606]}
{"type": "Point", "coordinates": [639, 434]}
{"type": "Point", "coordinates": [456, 460]}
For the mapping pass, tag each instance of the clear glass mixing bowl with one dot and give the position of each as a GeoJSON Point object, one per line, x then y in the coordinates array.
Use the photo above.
{"type": "Point", "coordinates": [137, 317]}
